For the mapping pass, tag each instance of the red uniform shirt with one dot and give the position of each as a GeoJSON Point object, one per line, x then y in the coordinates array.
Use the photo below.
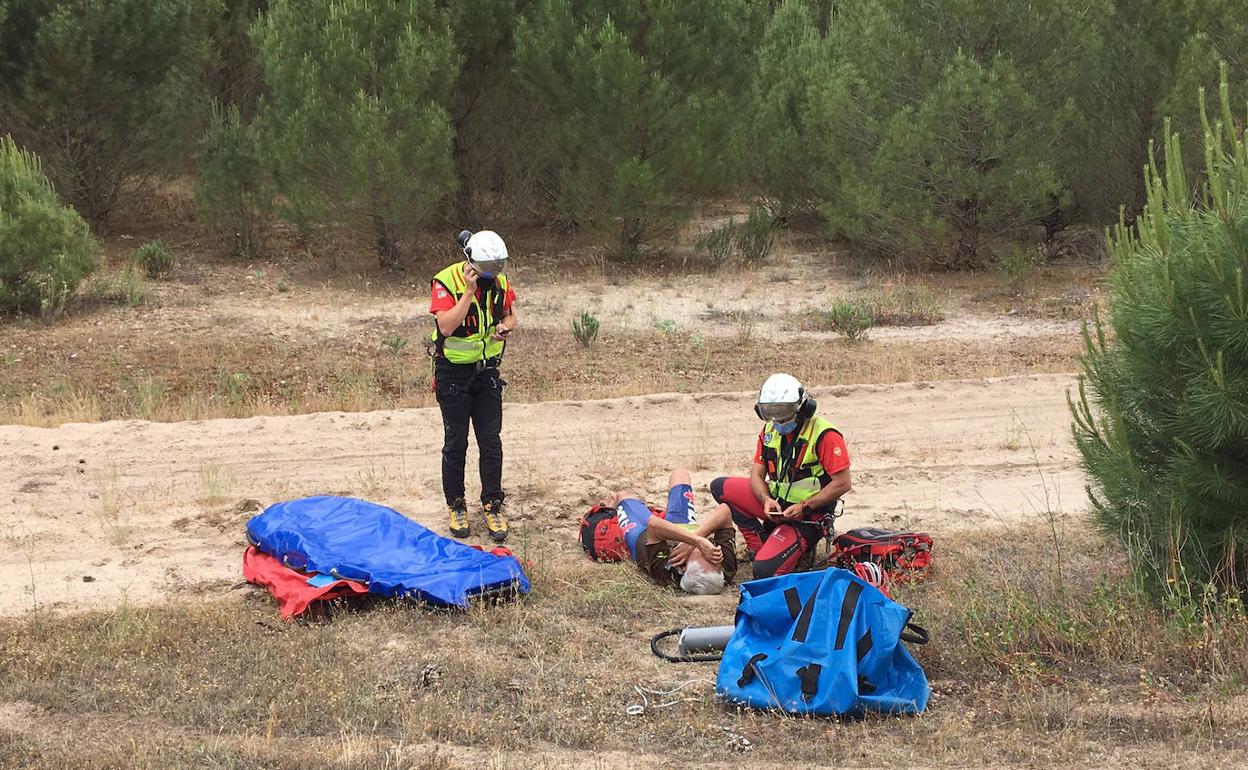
{"type": "Point", "coordinates": [440, 299]}
{"type": "Point", "coordinates": [833, 454]}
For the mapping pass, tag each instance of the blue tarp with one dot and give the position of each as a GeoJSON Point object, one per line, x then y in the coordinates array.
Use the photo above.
{"type": "Point", "coordinates": [821, 643]}
{"type": "Point", "coordinates": [393, 555]}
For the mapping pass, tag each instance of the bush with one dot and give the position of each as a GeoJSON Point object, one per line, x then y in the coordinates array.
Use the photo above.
{"type": "Point", "coordinates": [126, 287]}
{"type": "Point", "coordinates": [750, 241]}
{"type": "Point", "coordinates": [904, 306]}
{"type": "Point", "coordinates": [394, 343]}
{"type": "Point", "coordinates": [755, 238]}
{"type": "Point", "coordinates": [1161, 420]}
{"type": "Point", "coordinates": [154, 258]}
{"type": "Point", "coordinates": [45, 248]}
{"type": "Point", "coordinates": [850, 318]}
{"type": "Point", "coordinates": [1016, 265]}
{"type": "Point", "coordinates": [719, 244]}
{"type": "Point", "coordinates": [585, 329]}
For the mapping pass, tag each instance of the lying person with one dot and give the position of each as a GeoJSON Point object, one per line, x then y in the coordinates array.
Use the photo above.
{"type": "Point", "coordinates": [676, 549]}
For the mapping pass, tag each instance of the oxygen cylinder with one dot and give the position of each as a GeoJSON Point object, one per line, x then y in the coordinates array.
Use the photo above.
{"type": "Point", "coordinates": [704, 639]}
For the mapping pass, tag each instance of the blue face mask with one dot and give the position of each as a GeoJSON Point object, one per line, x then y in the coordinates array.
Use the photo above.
{"type": "Point", "coordinates": [785, 428]}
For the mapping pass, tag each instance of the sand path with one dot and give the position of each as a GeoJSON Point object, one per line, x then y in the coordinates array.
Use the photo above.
{"type": "Point", "coordinates": [97, 513]}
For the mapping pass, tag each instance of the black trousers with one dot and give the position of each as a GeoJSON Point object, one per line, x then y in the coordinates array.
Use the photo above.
{"type": "Point", "coordinates": [470, 396]}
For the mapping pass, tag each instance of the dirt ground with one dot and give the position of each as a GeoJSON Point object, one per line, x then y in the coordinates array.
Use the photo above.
{"type": "Point", "coordinates": [100, 511]}
{"type": "Point", "coordinates": [300, 374]}
{"type": "Point", "coordinates": [296, 334]}
{"type": "Point", "coordinates": [136, 510]}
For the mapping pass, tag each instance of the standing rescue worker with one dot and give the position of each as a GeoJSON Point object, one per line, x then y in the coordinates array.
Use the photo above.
{"type": "Point", "coordinates": [474, 307]}
{"type": "Point", "coordinates": [800, 470]}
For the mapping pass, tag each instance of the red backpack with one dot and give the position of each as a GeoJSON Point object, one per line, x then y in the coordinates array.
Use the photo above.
{"type": "Point", "coordinates": [901, 555]}
{"type": "Point", "coordinates": [601, 536]}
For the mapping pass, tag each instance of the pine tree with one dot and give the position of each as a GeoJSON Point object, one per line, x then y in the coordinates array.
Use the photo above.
{"type": "Point", "coordinates": [1119, 98]}
{"type": "Point", "coordinates": [355, 127]}
{"type": "Point", "coordinates": [104, 92]}
{"type": "Point", "coordinates": [232, 76]}
{"type": "Point", "coordinates": [233, 191]}
{"type": "Point", "coordinates": [1216, 38]}
{"type": "Point", "coordinates": [641, 98]}
{"type": "Point", "coordinates": [780, 146]}
{"type": "Point", "coordinates": [1161, 420]}
{"type": "Point", "coordinates": [966, 105]}
{"type": "Point", "coordinates": [45, 247]}
{"type": "Point", "coordinates": [497, 126]}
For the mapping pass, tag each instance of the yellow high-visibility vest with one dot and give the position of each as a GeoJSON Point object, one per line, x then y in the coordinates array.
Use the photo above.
{"type": "Point", "coordinates": [794, 473]}
{"type": "Point", "coordinates": [472, 342]}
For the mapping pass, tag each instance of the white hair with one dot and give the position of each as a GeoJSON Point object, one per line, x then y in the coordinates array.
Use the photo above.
{"type": "Point", "coordinates": [701, 579]}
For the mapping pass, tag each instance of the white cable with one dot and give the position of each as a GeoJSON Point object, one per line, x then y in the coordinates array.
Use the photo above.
{"type": "Point", "coordinates": [637, 709]}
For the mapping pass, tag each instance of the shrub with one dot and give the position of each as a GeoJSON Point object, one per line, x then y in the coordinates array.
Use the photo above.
{"type": "Point", "coordinates": [394, 343]}
{"type": "Point", "coordinates": [154, 258]}
{"type": "Point", "coordinates": [719, 244]}
{"type": "Point", "coordinates": [751, 240]}
{"type": "Point", "coordinates": [1161, 418]}
{"type": "Point", "coordinates": [132, 287]}
{"type": "Point", "coordinates": [887, 306]}
{"type": "Point", "coordinates": [850, 318]}
{"type": "Point", "coordinates": [756, 236]}
{"type": "Point", "coordinates": [585, 328]}
{"type": "Point", "coordinates": [1016, 265]}
{"type": "Point", "coordinates": [126, 287]}
{"type": "Point", "coordinates": [45, 248]}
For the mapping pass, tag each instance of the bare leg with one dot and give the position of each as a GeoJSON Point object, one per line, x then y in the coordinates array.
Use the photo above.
{"type": "Point", "coordinates": [678, 477]}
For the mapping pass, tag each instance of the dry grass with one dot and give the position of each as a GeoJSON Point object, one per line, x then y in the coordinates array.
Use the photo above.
{"type": "Point", "coordinates": [886, 303]}
{"type": "Point", "coordinates": [156, 377]}
{"type": "Point", "coordinates": [1051, 293]}
{"type": "Point", "coordinates": [186, 353]}
{"type": "Point", "coordinates": [1036, 660]}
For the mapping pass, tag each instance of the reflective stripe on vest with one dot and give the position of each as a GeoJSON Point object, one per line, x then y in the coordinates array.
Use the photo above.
{"type": "Point", "coordinates": [795, 479]}
{"type": "Point", "coordinates": [464, 346]}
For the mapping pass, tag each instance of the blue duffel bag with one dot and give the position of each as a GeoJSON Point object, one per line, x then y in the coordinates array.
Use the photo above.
{"type": "Point", "coordinates": [822, 643]}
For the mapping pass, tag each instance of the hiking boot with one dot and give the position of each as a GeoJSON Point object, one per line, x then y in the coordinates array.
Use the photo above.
{"type": "Point", "coordinates": [459, 518]}
{"type": "Point", "coordinates": [494, 520]}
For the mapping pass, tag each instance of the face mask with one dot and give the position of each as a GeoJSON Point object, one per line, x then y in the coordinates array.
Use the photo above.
{"type": "Point", "coordinates": [785, 428]}
{"type": "Point", "coordinates": [485, 282]}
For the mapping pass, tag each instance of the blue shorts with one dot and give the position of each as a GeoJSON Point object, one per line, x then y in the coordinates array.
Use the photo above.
{"type": "Point", "coordinates": [634, 516]}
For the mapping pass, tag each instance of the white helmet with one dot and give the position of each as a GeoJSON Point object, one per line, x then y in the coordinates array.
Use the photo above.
{"type": "Point", "coordinates": [486, 252]}
{"type": "Point", "coordinates": [780, 398]}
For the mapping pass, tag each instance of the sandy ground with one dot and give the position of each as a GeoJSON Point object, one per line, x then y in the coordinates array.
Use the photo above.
{"type": "Point", "coordinates": [99, 513]}
{"type": "Point", "coordinates": [764, 301]}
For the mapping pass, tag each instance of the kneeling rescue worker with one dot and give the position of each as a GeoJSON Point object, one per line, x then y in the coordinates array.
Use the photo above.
{"type": "Point", "coordinates": [800, 470]}
{"type": "Point", "coordinates": [474, 307]}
